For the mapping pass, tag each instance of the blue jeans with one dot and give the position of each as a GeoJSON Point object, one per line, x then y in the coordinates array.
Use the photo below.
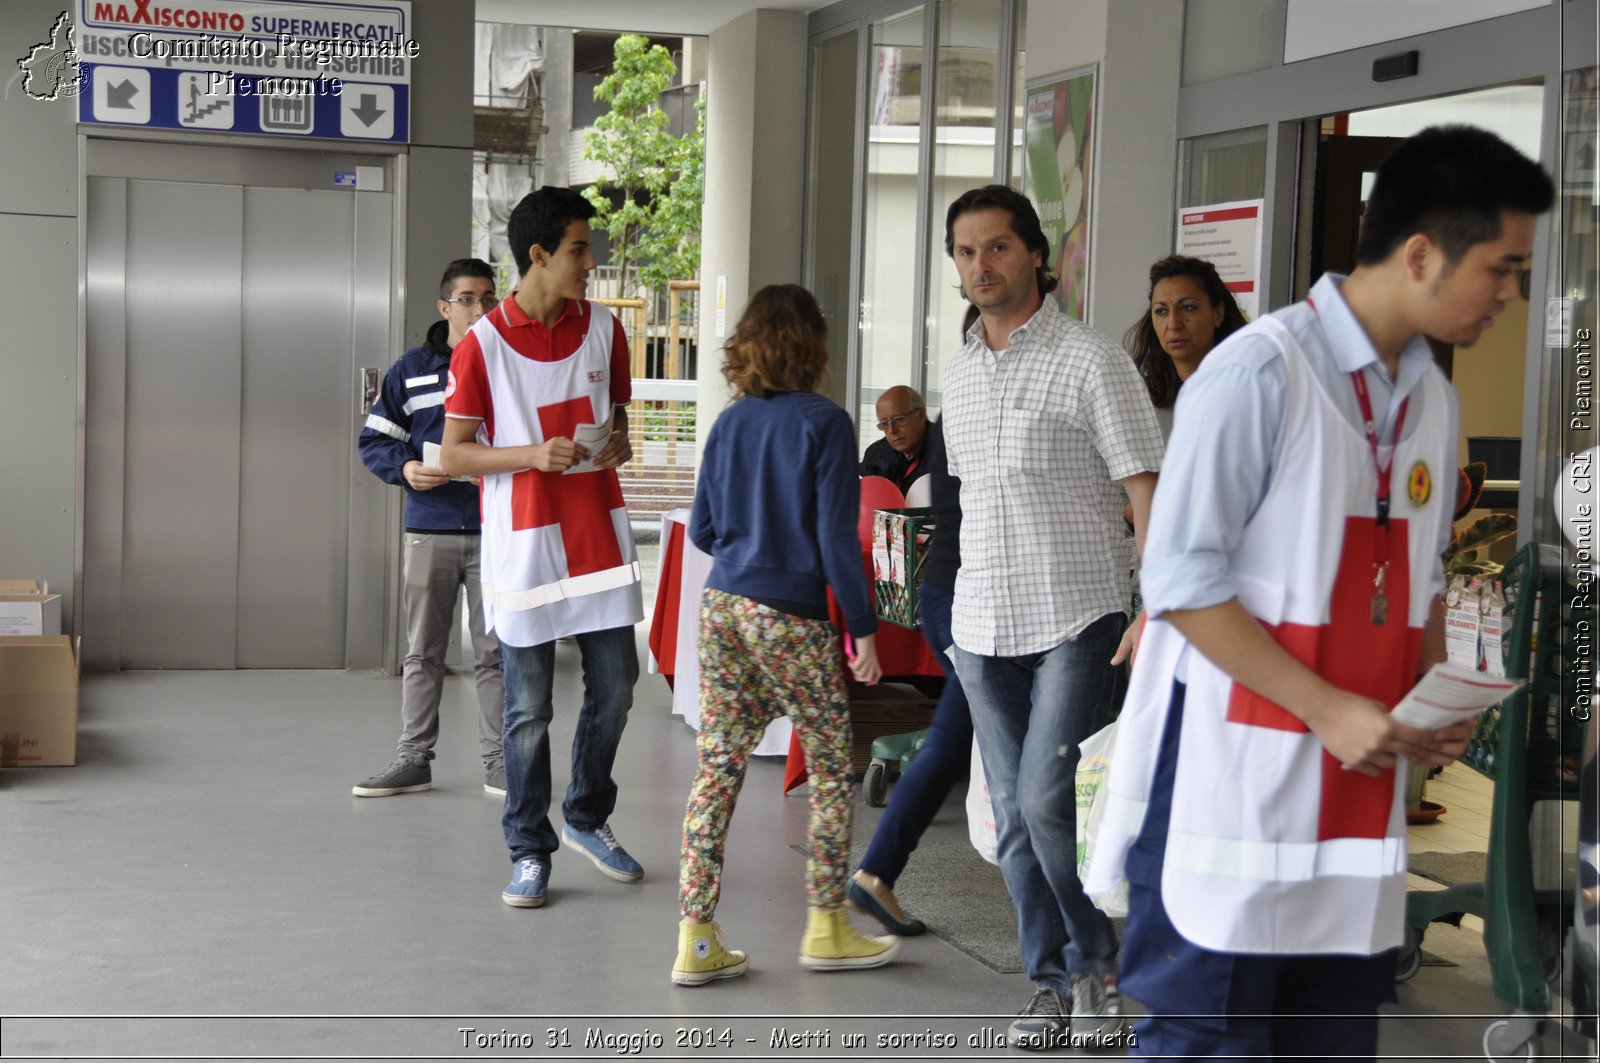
{"type": "Point", "coordinates": [945, 754]}
{"type": "Point", "coordinates": [610, 668]}
{"type": "Point", "coordinates": [1030, 714]}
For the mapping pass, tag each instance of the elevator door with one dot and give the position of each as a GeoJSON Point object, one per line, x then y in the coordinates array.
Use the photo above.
{"type": "Point", "coordinates": [220, 477]}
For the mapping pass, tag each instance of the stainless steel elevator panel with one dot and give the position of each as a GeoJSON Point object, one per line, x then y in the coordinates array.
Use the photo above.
{"type": "Point", "coordinates": [296, 429]}
{"type": "Point", "coordinates": [372, 610]}
{"type": "Point", "coordinates": [227, 520]}
{"type": "Point", "coordinates": [99, 609]}
{"type": "Point", "coordinates": [180, 536]}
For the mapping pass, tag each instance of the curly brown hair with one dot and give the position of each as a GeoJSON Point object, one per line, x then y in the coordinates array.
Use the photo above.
{"type": "Point", "coordinates": [780, 344]}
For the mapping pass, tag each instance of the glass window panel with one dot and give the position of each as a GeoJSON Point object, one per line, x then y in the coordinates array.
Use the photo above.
{"type": "Point", "coordinates": [1019, 101]}
{"type": "Point", "coordinates": [1222, 38]}
{"type": "Point", "coordinates": [830, 181]}
{"type": "Point", "coordinates": [886, 322]}
{"type": "Point", "coordinates": [1222, 167]}
{"type": "Point", "coordinates": [968, 86]}
{"type": "Point", "coordinates": [1515, 113]}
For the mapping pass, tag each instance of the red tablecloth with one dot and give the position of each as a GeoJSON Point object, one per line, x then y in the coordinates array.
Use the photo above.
{"type": "Point", "coordinates": [901, 651]}
{"type": "Point", "coordinates": [664, 621]}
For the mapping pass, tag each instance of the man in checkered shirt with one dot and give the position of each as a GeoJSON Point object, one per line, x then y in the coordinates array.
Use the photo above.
{"type": "Point", "coordinates": [1050, 430]}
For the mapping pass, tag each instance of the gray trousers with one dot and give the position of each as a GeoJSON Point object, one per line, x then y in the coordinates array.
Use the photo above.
{"type": "Point", "coordinates": [436, 567]}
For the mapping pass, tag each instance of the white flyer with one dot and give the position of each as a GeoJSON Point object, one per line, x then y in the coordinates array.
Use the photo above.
{"type": "Point", "coordinates": [593, 438]}
{"type": "Point", "coordinates": [1461, 622]}
{"type": "Point", "coordinates": [1449, 694]}
{"type": "Point", "coordinates": [880, 545]}
{"type": "Point", "coordinates": [430, 458]}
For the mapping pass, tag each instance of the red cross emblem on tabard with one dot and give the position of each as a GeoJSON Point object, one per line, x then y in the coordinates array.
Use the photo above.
{"type": "Point", "coordinates": [580, 505]}
{"type": "Point", "coordinates": [1351, 652]}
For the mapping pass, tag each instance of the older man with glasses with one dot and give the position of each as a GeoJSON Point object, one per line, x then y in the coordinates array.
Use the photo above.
{"type": "Point", "coordinates": [899, 455]}
{"type": "Point", "coordinates": [400, 445]}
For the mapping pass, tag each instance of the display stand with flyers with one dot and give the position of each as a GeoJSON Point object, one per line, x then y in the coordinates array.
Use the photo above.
{"type": "Point", "coordinates": [1532, 747]}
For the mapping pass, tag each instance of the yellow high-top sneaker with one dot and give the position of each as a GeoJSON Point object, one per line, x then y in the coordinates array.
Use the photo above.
{"type": "Point", "coordinates": [702, 957]}
{"type": "Point", "coordinates": [832, 944]}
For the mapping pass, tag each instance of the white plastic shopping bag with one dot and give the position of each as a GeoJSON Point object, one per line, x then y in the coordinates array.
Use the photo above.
{"type": "Point", "coordinates": [1094, 764]}
{"type": "Point", "coordinates": [980, 812]}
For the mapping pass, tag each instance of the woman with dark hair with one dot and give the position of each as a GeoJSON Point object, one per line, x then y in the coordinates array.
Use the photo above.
{"type": "Point", "coordinates": [1191, 311]}
{"type": "Point", "coordinates": [776, 508]}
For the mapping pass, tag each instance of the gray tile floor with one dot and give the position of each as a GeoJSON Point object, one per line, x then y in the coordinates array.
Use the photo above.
{"type": "Point", "coordinates": [204, 869]}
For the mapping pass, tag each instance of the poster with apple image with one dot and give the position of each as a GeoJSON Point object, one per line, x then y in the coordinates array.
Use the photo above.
{"type": "Point", "coordinates": [1059, 122]}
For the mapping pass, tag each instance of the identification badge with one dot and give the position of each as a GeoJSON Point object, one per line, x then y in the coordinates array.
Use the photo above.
{"type": "Point", "coordinates": [1380, 600]}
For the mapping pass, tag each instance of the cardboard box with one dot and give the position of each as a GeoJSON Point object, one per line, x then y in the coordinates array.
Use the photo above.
{"type": "Point", "coordinates": [38, 701]}
{"type": "Point", "coordinates": [24, 586]}
{"type": "Point", "coordinates": [30, 613]}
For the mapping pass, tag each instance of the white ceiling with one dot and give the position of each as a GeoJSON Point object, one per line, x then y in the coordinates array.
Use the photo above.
{"type": "Point", "coordinates": [687, 18]}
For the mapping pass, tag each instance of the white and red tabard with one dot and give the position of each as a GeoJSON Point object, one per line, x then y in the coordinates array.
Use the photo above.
{"type": "Point", "coordinates": [1272, 846]}
{"type": "Point", "coordinates": [557, 550]}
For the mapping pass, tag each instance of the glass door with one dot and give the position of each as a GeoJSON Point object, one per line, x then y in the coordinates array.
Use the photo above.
{"type": "Point", "coordinates": [908, 110]}
{"type": "Point", "coordinates": [1567, 413]}
{"type": "Point", "coordinates": [968, 93]}
{"type": "Point", "coordinates": [887, 320]}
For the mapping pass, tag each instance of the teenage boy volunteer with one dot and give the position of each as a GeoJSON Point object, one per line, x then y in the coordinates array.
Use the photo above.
{"type": "Point", "coordinates": [1292, 577]}
{"type": "Point", "coordinates": [558, 556]}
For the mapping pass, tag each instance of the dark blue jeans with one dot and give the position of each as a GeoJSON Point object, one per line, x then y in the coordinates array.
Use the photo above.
{"type": "Point", "coordinates": [1030, 714]}
{"type": "Point", "coordinates": [610, 668]}
{"type": "Point", "coordinates": [943, 758]}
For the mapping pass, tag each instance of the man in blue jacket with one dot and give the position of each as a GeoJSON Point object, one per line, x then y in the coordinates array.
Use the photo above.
{"type": "Point", "coordinates": [442, 523]}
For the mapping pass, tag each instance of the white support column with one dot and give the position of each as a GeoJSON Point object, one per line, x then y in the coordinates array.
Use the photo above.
{"type": "Point", "coordinates": [1139, 47]}
{"type": "Point", "coordinates": [755, 177]}
{"type": "Point", "coordinates": [1136, 156]}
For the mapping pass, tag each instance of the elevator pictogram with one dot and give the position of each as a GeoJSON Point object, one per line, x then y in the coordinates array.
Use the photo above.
{"type": "Point", "coordinates": [287, 114]}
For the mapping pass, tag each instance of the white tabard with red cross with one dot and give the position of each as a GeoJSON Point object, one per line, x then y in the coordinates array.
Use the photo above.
{"type": "Point", "coordinates": [1272, 846]}
{"type": "Point", "coordinates": [557, 550]}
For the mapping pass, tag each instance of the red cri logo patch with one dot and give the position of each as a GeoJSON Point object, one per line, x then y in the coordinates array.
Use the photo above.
{"type": "Point", "coordinates": [596, 376]}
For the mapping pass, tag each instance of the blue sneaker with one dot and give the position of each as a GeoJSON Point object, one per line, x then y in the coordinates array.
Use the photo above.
{"type": "Point", "coordinates": [601, 846]}
{"type": "Point", "coordinates": [528, 882]}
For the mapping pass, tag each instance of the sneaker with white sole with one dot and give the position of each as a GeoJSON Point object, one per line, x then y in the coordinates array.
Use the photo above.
{"type": "Point", "coordinates": [833, 944]}
{"type": "Point", "coordinates": [1043, 1023]}
{"type": "Point", "coordinates": [606, 853]}
{"type": "Point", "coordinates": [529, 880]}
{"type": "Point", "coordinates": [494, 780]}
{"type": "Point", "coordinates": [1097, 1018]}
{"type": "Point", "coordinates": [703, 958]}
{"type": "Point", "coordinates": [405, 776]}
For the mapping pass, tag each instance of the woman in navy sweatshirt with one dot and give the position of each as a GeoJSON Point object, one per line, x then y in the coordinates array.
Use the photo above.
{"type": "Point", "coordinates": [776, 508]}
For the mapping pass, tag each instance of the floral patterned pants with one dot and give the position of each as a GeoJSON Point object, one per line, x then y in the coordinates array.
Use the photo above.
{"type": "Point", "coordinates": [757, 663]}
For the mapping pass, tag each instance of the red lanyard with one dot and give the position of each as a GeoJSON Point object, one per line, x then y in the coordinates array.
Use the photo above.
{"type": "Point", "coordinates": [1372, 442]}
{"type": "Point", "coordinates": [1380, 540]}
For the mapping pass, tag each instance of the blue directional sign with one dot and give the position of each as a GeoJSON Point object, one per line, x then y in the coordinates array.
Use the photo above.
{"type": "Point", "coordinates": [302, 69]}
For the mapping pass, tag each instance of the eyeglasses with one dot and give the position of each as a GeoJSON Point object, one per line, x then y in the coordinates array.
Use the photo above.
{"type": "Point", "coordinates": [898, 421]}
{"type": "Point", "coordinates": [470, 302]}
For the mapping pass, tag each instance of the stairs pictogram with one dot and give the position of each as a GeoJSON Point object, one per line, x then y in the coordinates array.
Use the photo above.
{"type": "Point", "coordinates": [196, 112]}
